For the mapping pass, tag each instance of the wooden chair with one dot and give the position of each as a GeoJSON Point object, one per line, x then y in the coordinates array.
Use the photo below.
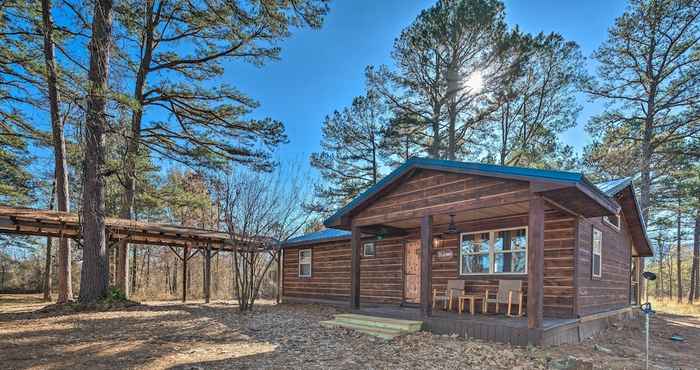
{"type": "Point", "coordinates": [509, 292]}
{"type": "Point", "coordinates": [454, 289]}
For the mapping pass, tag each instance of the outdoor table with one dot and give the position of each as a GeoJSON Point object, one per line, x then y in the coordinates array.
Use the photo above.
{"type": "Point", "coordinates": [471, 298]}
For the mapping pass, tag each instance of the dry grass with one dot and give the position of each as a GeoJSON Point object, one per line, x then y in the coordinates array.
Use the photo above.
{"type": "Point", "coordinates": [670, 306]}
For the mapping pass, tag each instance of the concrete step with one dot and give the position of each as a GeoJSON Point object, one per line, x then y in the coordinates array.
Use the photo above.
{"type": "Point", "coordinates": [383, 333]}
{"type": "Point", "coordinates": [408, 326]}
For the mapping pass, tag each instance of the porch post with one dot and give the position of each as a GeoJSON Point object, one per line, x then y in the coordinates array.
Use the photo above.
{"type": "Point", "coordinates": [207, 273]}
{"type": "Point", "coordinates": [279, 276]}
{"type": "Point", "coordinates": [426, 240]}
{"type": "Point", "coordinates": [185, 257]}
{"type": "Point", "coordinates": [535, 262]}
{"type": "Point", "coordinates": [355, 268]}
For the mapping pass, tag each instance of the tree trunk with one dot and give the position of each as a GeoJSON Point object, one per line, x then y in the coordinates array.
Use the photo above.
{"type": "Point", "coordinates": [679, 287]}
{"type": "Point", "coordinates": [47, 271]}
{"type": "Point", "coordinates": [49, 246]}
{"type": "Point", "coordinates": [94, 280]}
{"type": "Point", "coordinates": [670, 273]}
{"type": "Point", "coordinates": [132, 148]}
{"type": "Point", "coordinates": [452, 89]}
{"type": "Point", "coordinates": [694, 269]}
{"type": "Point", "coordinates": [65, 290]}
{"type": "Point", "coordinates": [660, 280]}
{"type": "Point", "coordinates": [133, 270]}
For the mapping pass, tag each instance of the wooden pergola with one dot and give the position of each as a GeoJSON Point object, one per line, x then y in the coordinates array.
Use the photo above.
{"type": "Point", "coordinates": [55, 224]}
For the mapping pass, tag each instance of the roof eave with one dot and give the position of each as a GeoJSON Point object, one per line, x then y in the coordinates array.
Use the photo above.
{"type": "Point", "coordinates": [314, 241]}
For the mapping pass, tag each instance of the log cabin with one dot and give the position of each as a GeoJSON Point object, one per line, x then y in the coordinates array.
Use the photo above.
{"type": "Point", "coordinates": [576, 247]}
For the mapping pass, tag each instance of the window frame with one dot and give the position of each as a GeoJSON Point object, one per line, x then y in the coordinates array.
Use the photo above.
{"type": "Point", "coordinates": [599, 254]}
{"type": "Point", "coordinates": [364, 249]}
{"type": "Point", "coordinates": [606, 220]}
{"type": "Point", "coordinates": [492, 252]}
{"type": "Point", "coordinates": [310, 263]}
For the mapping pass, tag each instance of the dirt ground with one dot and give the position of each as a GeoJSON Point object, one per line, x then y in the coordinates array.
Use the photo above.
{"type": "Point", "coordinates": [169, 335]}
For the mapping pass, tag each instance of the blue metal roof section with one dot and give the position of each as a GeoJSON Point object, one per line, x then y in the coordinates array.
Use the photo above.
{"type": "Point", "coordinates": [318, 236]}
{"type": "Point", "coordinates": [485, 169]}
{"type": "Point", "coordinates": [612, 187]}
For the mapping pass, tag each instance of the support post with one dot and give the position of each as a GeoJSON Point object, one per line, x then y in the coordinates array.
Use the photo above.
{"type": "Point", "coordinates": [207, 274]}
{"type": "Point", "coordinates": [185, 257]}
{"type": "Point", "coordinates": [355, 268]}
{"type": "Point", "coordinates": [426, 261]}
{"type": "Point", "coordinates": [535, 263]}
{"type": "Point", "coordinates": [122, 267]}
{"type": "Point", "coordinates": [279, 276]}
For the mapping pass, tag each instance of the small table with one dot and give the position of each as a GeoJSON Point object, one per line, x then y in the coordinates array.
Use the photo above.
{"type": "Point", "coordinates": [471, 298]}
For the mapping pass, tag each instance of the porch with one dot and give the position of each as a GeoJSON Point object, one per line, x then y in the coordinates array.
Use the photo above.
{"type": "Point", "coordinates": [499, 328]}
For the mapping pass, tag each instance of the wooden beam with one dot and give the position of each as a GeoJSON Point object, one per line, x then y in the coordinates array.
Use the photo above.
{"type": "Point", "coordinates": [426, 261]}
{"type": "Point", "coordinates": [355, 243]}
{"type": "Point", "coordinates": [207, 274]}
{"type": "Point", "coordinates": [535, 263]}
{"type": "Point", "coordinates": [174, 251]}
{"type": "Point", "coordinates": [184, 273]}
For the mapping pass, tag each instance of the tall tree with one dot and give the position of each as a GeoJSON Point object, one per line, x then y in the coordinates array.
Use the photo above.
{"type": "Point", "coordinates": [179, 49]}
{"type": "Point", "coordinates": [94, 278]}
{"type": "Point", "coordinates": [469, 37]}
{"type": "Point", "coordinates": [445, 61]}
{"type": "Point", "coordinates": [350, 161]}
{"type": "Point", "coordinates": [65, 290]}
{"type": "Point", "coordinates": [649, 78]}
{"type": "Point", "coordinates": [536, 101]}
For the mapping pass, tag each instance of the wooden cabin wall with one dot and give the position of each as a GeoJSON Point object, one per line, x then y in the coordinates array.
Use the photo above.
{"type": "Point", "coordinates": [381, 279]}
{"type": "Point", "coordinates": [611, 290]}
{"type": "Point", "coordinates": [559, 247]}
{"type": "Point", "coordinates": [429, 192]}
{"type": "Point", "coordinates": [330, 272]}
{"type": "Point", "coordinates": [382, 276]}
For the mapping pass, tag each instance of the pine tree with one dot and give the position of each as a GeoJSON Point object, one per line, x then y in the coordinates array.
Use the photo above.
{"type": "Point", "coordinates": [178, 48]}
{"type": "Point", "coordinates": [446, 60]}
{"type": "Point", "coordinates": [94, 278]}
{"type": "Point", "coordinates": [350, 161]}
{"type": "Point", "coordinates": [536, 100]}
{"type": "Point", "coordinates": [649, 78]}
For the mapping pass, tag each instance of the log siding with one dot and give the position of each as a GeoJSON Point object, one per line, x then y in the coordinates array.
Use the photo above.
{"type": "Point", "coordinates": [612, 289]}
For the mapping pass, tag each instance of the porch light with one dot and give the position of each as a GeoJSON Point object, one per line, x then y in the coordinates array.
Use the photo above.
{"type": "Point", "coordinates": [452, 228]}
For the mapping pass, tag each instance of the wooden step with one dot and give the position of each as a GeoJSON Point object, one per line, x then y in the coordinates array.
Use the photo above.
{"type": "Point", "coordinates": [409, 326]}
{"type": "Point", "coordinates": [383, 333]}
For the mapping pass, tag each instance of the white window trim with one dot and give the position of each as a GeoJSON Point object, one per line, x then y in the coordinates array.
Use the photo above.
{"type": "Point", "coordinates": [593, 253]}
{"type": "Point", "coordinates": [364, 249]}
{"type": "Point", "coordinates": [606, 220]}
{"type": "Point", "coordinates": [309, 263]}
{"type": "Point", "coordinates": [492, 252]}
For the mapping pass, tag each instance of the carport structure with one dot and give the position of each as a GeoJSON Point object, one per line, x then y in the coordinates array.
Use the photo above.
{"type": "Point", "coordinates": [55, 224]}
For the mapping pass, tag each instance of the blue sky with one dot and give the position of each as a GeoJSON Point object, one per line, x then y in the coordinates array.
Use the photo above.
{"type": "Point", "coordinates": [322, 70]}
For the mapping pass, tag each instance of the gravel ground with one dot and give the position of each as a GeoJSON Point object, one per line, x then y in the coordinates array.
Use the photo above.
{"type": "Point", "coordinates": [165, 335]}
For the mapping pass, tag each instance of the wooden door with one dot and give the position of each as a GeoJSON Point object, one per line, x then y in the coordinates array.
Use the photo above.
{"type": "Point", "coordinates": [411, 289]}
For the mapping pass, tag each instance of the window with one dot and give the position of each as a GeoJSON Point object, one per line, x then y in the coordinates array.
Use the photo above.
{"type": "Point", "coordinates": [613, 221]}
{"type": "Point", "coordinates": [494, 252]}
{"type": "Point", "coordinates": [596, 262]}
{"type": "Point", "coordinates": [305, 263]}
{"type": "Point", "coordinates": [368, 250]}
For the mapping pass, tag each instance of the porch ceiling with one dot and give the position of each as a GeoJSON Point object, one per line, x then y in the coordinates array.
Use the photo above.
{"type": "Point", "coordinates": [464, 216]}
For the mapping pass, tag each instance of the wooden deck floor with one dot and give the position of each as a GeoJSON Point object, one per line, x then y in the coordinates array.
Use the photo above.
{"type": "Point", "coordinates": [503, 329]}
{"type": "Point", "coordinates": [410, 313]}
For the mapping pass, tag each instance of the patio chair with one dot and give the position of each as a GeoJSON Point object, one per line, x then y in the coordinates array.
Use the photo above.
{"type": "Point", "coordinates": [454, 289]}
{"type": "Point", "coordinates": [509, 292]}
